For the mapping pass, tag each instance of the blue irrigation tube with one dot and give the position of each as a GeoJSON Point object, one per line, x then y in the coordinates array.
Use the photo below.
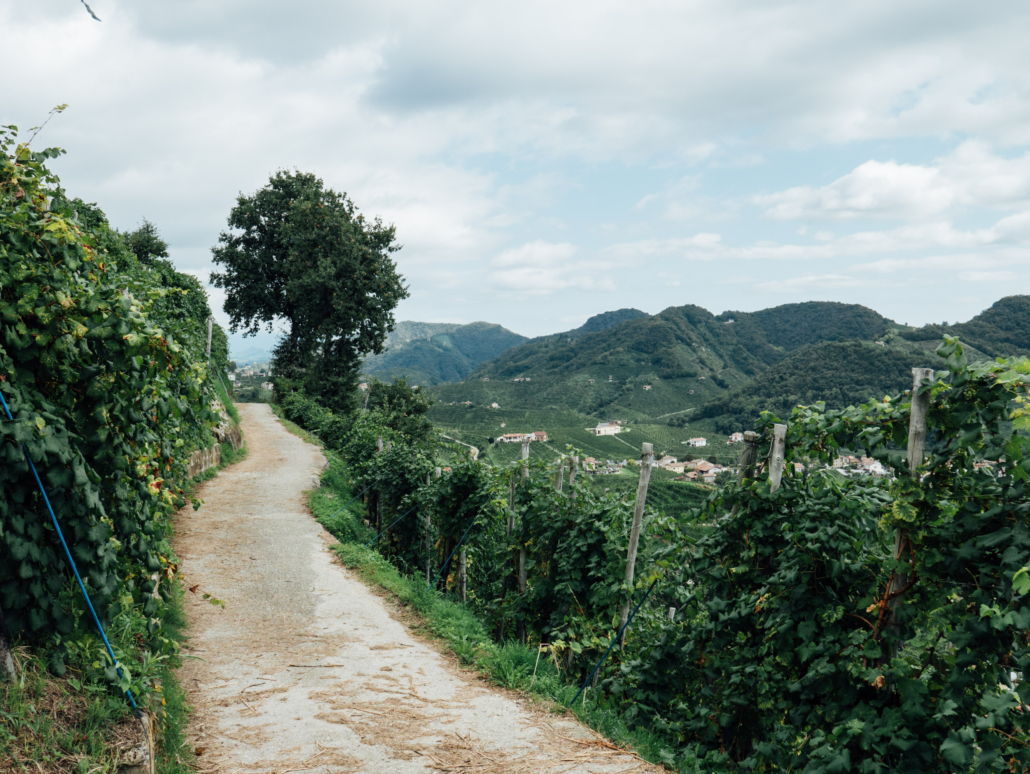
{"type": "Point", "coordinates": [373, 540]}
{"type": "Point", "coordinates": [612, 644]}
{"type": "Point", "coordinates": [71, 562]}
{"type": "Point", "coordinates": [444, 565]}
{"type": "Point", "coordinates": [352, 500]}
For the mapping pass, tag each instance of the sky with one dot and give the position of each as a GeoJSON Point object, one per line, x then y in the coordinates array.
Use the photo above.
{"type": "Point", "coordinates": [547, 161]}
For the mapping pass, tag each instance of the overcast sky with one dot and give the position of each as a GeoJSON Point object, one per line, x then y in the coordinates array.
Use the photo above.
{"type": "Point", "coordinates": [546, 161]}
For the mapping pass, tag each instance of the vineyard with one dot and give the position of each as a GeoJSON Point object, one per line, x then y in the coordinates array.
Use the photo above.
{"type": "Point", "coordinates": [110, 393]}
{"type": "Point", "coordinates": [794, 620]}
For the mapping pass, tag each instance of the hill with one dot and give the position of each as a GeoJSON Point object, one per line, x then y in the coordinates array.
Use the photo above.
{"type": "Point", "coordinates": [430, 353]}
{"type": "Point", "coordinates": [651, 367]}
{"type": "Point", "coordinates": [606, 320]}
{"type": "Point", "coordinates": [1003, 330]}
{"type": "Point", "coordinates": [838, 373]}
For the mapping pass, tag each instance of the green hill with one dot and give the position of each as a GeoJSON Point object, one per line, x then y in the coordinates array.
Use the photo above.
{"type": "Point", "coordinates": [606, 320]}
{"type": "Point", "coordinates": [651, 367]}
{"type": "Point", "coordinates": [838, 373]}
{"type": "Point", "coordinates": [1003, 330]}
{"type": "Point", "coordinates": [430, 353]}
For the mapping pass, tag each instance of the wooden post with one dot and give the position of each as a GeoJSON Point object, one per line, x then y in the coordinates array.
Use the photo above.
{"type": "Point", "coordinates": [389, 445]}
{"type": "Point", "coordinates": [429, 539]}
{"type": "Point", "coordinates": [748, 456]}
{"type": "Point", "coordinates": [573, 469]}
{"type": "Point", "coordinates": [525, 458]}
{"type": "Point", "coordinates": [462, 575]}
{"type": "Point", "coordinates": [379, 444]}
{"type": "Point", "coordinates": [646, 456]}
{"type": "Point", "coordinates": [672, 614]}
{"type": "Point", "coordinates": [559, 475]}
{"type": "Point", "coordinates": [777, 453]}
{"type": "Point", "coordinates": [916, 450]}
{"type": "Point", "coordinates": [523, 581]}
{"type": "Point", "coordinates": [6, 661]}
{"type": "Point", "coordinates": [210, 323]}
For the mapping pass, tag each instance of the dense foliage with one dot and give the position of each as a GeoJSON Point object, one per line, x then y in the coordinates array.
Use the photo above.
{"type": "Point", "coordinates": [790, 649]}
{"type": "Point", "coordinates": [101, 363]}
{"type": "Point", "coordinates": [838, 374]}
{"type": "Point", "coordinates": [299, 252]}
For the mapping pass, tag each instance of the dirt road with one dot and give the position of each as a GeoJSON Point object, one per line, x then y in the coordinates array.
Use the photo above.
{"type": "Point", "coordinates": [307, 670]}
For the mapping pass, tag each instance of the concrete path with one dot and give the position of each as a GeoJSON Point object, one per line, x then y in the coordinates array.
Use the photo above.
{"type": "Point", "coordinates": [308, 670]}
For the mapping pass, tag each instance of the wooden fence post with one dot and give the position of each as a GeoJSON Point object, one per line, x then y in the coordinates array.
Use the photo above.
{"type": "Point", "coordinates": [6, 661]}
{"type": "Point", "coordinates": [559, 475]}
{"type": "Point", "coordinates": [672, 614]}
{"type": "Point", "coordinates": [429, 539]}
{"type": "Point", "coordinates": [462, 575]}
{"type": "Point", "coordinates": [646, 456]}
{"type": "Point", "coordinates": [916, 450]}
{"type": "Point", "coordinates": [748, 456]}
{"type": "Point", "coordinates": [379, 444]}
{"type": "Point", "coordinates": [520, 629]}
{"type": "Point", "coordinates": [777, 454]}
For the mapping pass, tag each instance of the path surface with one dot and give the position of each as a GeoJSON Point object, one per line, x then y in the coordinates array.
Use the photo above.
{"type": "Point", "coordinates": [307, 670]}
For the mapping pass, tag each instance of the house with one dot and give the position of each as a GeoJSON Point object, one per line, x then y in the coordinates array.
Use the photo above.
{"type": "Point", "coordinates": [590, 381]}
{"type": "Point", "coordinates": [494, 405]}
{"type": "Point", "coordinates": [589, 463]}
{"type": "Point", "coordinates": [706, 467]}
{"type": "Point", "coordinates": [647, 386]}
{"type": "Point", "coordinates": [665, 461]}
{"type": "Point", "coordinates": [363, 386]}
{"type": "Point", "coordinates": [486, 378]}
{"type": "Point", "coordinates": [540, 435]}
{"type": "Point", "coordinates": [736, 438]}
{"type": "Point", "coordinates": [698, 442]}
{"type": "Point", "coordinates": [605, 428]}
{"type": "Point", "coordinates": [513, 438]}
{"type": "Point", "coordinates": [232, 377]}
{"type": "Point", "coordinates": [267, 386]}
{"type": "Point", "coordinates": [679, 467]}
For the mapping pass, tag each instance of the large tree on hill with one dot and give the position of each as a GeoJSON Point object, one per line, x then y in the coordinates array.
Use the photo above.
{"type": "Point", "coordinates": [301, 253]}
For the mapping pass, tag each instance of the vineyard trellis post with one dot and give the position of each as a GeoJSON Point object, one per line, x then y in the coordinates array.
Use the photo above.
{"type": "Point", "coordinates": [462, 575]}
{"type": "Point", "coordinates": [672, 614]}
{"type": "Point", "coordinates": [916, 450]}
{"type": "Point", "coordinates": [646, 456]}
{"type": "Point", "coordinates": [777, 454]}
{"type": "Point", "coordinates": [559, 475]}
{"type": "Point", "coordinates": [6, 661]}
{"type": "Point", "coordinates": [377, 501]}
{"type": "Point", "coordinates": [429, 537]}
{"type": "Point", "coordinates": [522, 580]}
{"type": "Point", "coordinates": [748, 456]}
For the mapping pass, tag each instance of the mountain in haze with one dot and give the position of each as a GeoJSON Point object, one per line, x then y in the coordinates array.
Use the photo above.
{"type": "Point", "coordinates": [430, 353]}
{"type": "Point", "coordinates": [678, 359]}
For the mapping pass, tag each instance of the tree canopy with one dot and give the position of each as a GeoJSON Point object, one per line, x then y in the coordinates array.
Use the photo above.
{"type": "Point", "coordinates": [301, 253]}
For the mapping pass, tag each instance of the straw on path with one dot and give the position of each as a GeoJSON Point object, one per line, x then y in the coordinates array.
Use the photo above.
{"type": "Point", "coordinates": [306, 669]}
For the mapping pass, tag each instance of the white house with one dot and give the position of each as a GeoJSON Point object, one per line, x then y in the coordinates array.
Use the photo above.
{"type": "Point", "coordinates": [736, 438]}
{"type": "Point", "coordinates": [665, 461]}
{"type": "Point", "coordinates": [605, 428]}
{"type": "Point", "coordinates": [698, 442]}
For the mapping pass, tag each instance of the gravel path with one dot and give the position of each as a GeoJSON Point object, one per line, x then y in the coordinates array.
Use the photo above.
{"type": "Point", "coordinates": [308, 670]}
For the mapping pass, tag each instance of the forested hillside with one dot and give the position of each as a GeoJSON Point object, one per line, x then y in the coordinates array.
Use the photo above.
{"type": "Point", "coordinates": [652, 366]}
{"type": "Point", "coordinates": [1003, 330]}
{"type": "Point", "coordinates": [430, 353]}
{"type": "Point", "coordinates": [837, 373]}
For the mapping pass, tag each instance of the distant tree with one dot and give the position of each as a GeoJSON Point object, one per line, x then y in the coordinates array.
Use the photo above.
{"type": "Point", "coordinates": [401, 408]}
{"type": "Point", "coordinates": [713, 459]}
{"type": "Point", "coordinates": [299, 252]}
{"type": "Point", "coordinates": [146, 243]}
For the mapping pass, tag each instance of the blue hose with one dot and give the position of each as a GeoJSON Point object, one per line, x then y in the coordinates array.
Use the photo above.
{"type": "Point", "coordinates": [373, 540]}
{"type": "Point", "coordinates": [71, 562]}
{"type": "Point", "coordinates": [444, 565]}
{"type": "Point", "coordinates": [612, 644]}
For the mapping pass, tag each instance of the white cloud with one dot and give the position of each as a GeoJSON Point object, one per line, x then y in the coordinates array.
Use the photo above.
{"type": "Point", "coordinates": [972, 175]}
{"type": "Point", "coordinates": [540, 268]}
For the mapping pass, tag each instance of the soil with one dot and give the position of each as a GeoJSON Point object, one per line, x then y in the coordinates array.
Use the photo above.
{"type": "Point", "coordinates": [306, 669]}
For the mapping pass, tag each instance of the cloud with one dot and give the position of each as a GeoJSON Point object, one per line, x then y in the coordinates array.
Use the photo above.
{"type": "Point", "coordinates": [541, 268]}
{"type": "Point", "coordinates": [972, 175]}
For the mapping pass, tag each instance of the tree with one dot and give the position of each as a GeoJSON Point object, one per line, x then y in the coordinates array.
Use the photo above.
{"type": "Point", "coordinates": [146, 243]}
{"type": "Point", "coordinates": [301, 253]}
